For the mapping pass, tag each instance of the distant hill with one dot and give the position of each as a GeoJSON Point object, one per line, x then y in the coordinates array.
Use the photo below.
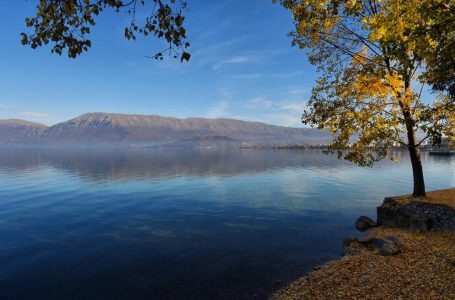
{"type": "Point", "coordinates": [145, 130]}
{"type": "Point", "coordinates": [20, 131]}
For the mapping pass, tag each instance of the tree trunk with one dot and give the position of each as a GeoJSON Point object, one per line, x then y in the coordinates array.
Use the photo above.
{"type": "Point", "coordinates": [413, 147]}
{"type": "Point", "coordinates": [417, 171]}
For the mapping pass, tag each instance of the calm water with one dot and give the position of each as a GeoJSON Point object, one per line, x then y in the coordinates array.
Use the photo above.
{"type": "Point", "coordinates": [152, 224]}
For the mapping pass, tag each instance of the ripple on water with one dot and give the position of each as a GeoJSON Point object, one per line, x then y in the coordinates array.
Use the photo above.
{"type": "Point", "coordinates": [142, 223]}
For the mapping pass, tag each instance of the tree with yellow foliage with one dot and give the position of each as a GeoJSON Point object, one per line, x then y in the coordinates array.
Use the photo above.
{"type": "Point", "coordinates": [376, 57]}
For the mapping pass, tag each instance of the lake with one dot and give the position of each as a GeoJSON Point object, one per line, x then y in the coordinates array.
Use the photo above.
{"type": "Point", "coordinates": [182, 224]}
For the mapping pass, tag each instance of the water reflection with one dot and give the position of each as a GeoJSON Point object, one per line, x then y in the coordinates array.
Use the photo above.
{"type": "Point", "coordinates": [124, 164]}
{"type": "Point", "coordinates": [153, 224]}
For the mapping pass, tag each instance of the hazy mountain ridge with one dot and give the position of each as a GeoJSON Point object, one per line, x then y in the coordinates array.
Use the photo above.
{"type": "Point", "coordinates": [123, 129]}
{"type": "Point", "coordinates": [18, 122]}
{"type": "Point", "coordinates": [20, 131]}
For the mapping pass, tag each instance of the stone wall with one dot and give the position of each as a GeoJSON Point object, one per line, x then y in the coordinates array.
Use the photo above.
{"type": "Point", "coordinates": [421, 216]}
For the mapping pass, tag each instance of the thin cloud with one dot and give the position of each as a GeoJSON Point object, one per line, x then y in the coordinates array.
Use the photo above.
{"type": "Point", "coordinates": [258, 102]}
{"type": "Point", "coordinates": [207, 53]}
{"type": "Point", "coordinates": [286, 111]}
{"type": "Point", "coordinates": [218, 110]}
{"type": "Point", "coordinates": [296, 91]}
{"type": "Point", "coordinates": [226, 93]}
{"type": "Point", "coordinates": [252, 76]}
{"type": "Point", "coordinates": [260, 109]}
{"type": "Point", "coordinates": [286, 119]}
{"type": "Point", "coordinates": [293, 106]}
{"type": "Point", "coordinates": [261, 102]}
{"type": "Point", "coordinates": [35, 114]}
{"type": "Point", "coordinates": [236, 60]}
{"type": "Point", "coordinates": [285, 75]}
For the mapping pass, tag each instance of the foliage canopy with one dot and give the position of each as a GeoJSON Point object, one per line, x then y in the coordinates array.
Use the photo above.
{"type": "Point", "coordinates": [67, 24]}
{"type": "Point", "coordinates": [376, 57]}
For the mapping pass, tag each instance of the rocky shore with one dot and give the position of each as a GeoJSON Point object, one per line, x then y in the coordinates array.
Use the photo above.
{"type": "Point", "coordinates": [408, 254]}
{"type": "Point", "coordinates": [435, 212]}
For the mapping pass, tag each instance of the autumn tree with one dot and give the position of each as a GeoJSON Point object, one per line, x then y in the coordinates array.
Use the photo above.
{"type": "Point", "coordinates": [376, 58]}
{"type": "Point", "coordinates": [66, 24]}
{"type": "Point", "coordinates": [439, 24]}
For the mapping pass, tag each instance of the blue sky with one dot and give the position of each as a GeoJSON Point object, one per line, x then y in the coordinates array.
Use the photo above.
{"type": "Point", "coordinates": [242, 66]}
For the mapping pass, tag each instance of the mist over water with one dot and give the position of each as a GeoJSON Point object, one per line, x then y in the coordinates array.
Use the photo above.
{"type": "Point", "coordinates": [182, 224]}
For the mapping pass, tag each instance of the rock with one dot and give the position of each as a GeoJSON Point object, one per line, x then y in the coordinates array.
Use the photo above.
{"type": "Point", "coordinates": [416, 215]}
{"type": "Point", "coordinates": [394, 239]}
{"type": "Point", "coordinates": [403, 221]}
{"type": "Point", "coordinates": [419, 224]}
{"type": "Point", "coordinates": [352, 246]}
{"type": "Point", "coordinates": [363, 223]}
{"type": "Point", "coordinates": [390, 245]}
{"type": "Point", "coordinates": [387, 246]}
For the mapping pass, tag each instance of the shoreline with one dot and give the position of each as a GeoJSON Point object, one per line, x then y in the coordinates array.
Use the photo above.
{"type": "Point", "coordinates": [424, 269]}
{"type": "Point", "coordinates": [421, 265]}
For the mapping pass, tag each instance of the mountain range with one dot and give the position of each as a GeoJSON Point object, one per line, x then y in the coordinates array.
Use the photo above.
{"type": "Point", "coordinates": [153, 130]}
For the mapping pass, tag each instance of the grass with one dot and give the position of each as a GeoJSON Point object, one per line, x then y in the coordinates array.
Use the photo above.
{"type": "Point", "coordinates": [424, 269]}
{"type": "Point", "coordinates": [440, 197]}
